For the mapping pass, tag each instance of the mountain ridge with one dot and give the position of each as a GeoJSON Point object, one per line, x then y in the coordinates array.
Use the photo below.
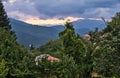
{"type": "Point", "coordinates": [38, 35]}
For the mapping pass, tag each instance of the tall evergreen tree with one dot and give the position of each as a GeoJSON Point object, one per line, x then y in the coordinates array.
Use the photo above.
{"type": "Point", "coordinates": [4, 21]}
{"type": "Point", "coordinates": [14, 59]}
{"type": "Point", "coordinates": [74, 46]}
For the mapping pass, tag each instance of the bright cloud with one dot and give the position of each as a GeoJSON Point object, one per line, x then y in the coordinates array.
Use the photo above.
{"type": "Point", "coordinates": [12, 1]}
{"type": "Point", "coordinates": [35, 20]}
{"type": "Point", "coordinates": [51, 21]}
{"type": "Point", "coordinates": [38, 21]}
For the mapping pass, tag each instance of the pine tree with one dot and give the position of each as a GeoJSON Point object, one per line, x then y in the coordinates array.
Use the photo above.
{"type": "Point", "coordinates": [74, 46]}
{"type": "Point", "coordinates": [16, 57]}
{"type": "Point", "coordinates": [4, 21]}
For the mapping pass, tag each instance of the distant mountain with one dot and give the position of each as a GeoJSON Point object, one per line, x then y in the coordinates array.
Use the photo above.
{"type": "Point", "coordinates": [90, 24]}
{"type": "Point", "coordinates": [83, 26]}
{"type": "Point", "coordinates": [38, 35]}
{"type": "Point", "coordinates": [31, 34]}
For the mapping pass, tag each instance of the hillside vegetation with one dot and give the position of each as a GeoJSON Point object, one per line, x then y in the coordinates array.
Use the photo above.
{"type": "Point", "coordinates": [95, 55]}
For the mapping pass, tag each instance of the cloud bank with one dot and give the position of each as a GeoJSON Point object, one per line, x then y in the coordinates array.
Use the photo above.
{"type": "Point", "coordinates": [44, 10]}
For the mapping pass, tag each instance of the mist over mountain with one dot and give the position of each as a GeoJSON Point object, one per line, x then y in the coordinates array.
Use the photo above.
{"type": "Point", "coordinates": [38, 35]}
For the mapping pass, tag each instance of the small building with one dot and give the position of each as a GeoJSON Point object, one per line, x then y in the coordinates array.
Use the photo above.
{"type": "Point", "coordinates": [86, 36]}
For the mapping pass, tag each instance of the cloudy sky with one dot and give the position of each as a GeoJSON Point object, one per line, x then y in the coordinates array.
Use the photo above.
{"type": "Point", "coordinates": [43, 12]}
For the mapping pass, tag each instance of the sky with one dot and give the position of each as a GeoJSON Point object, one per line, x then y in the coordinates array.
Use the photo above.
{"type": "Point", "coordinates": [55, 12]}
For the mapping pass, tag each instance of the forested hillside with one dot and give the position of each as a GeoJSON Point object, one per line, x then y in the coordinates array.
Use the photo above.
{"type": "Point", "coordinates": [95, 55]}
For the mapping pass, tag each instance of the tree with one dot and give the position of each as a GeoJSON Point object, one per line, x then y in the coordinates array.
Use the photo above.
{"type": "Point", "coordinates": [3, 69]}
{"type": "Point", "coordinates": [65, 68]}
{"type": "Point", "coordinates": [4, 21]}
{"type": "Point", "coordinates": [74, 46]}
{"type": "Point", "coordinates": [106, 58]}
{"type": "Point", "coordinates": [17, 61]}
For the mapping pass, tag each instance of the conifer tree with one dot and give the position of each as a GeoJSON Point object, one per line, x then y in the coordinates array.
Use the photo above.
{"type": "Point", "coordinates": [74, 46]}
{"type": "Point", "coordinates": [4, 21]}
{"type": "Point", "coordinates": [14, 58]}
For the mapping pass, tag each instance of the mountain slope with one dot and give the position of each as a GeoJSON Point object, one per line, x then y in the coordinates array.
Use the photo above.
{"type": "Point", "coordinates": [30, 34]}
{"type": "Point", "coordinates": [38, 35]}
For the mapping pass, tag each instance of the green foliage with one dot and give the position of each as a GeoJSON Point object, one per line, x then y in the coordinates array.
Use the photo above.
{"type": "Point", "coordinates": [3, 69]}
{"type": "Point", "coordinates": [15, 59]}
{"type": "Point", "coordinates": [4, 22]}
{"type": "Point", "coordinates": [65, 68]}
{"type": "Point", "coordinates": [52, 46]}
{"type": "Point", "coordinates": [72, 42]}
{"type": "Point", "coordinates": [75, 47]}
{"type": "Point", "coordinates": [78, 58]}
{"type": "Point", "coordinates": [15, 56]}
{"type": "Point", "coordinates": [99, 55]}
{"type": "Point", "coordinates": [106, 58]}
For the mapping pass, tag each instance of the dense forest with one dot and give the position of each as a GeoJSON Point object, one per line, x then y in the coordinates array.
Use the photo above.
{"type": "Point", "coordinates": [95, 55]}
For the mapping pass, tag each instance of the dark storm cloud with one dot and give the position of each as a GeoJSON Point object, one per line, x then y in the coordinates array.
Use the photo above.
{"type": "Point", "coordinates": [52, 8]}
{"type": "Point", "coordinates": [71, 7]}
{"type": "Point", "coordinates": [103, 3]}
{"type": "Point", "coordinates": [60, 7]}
